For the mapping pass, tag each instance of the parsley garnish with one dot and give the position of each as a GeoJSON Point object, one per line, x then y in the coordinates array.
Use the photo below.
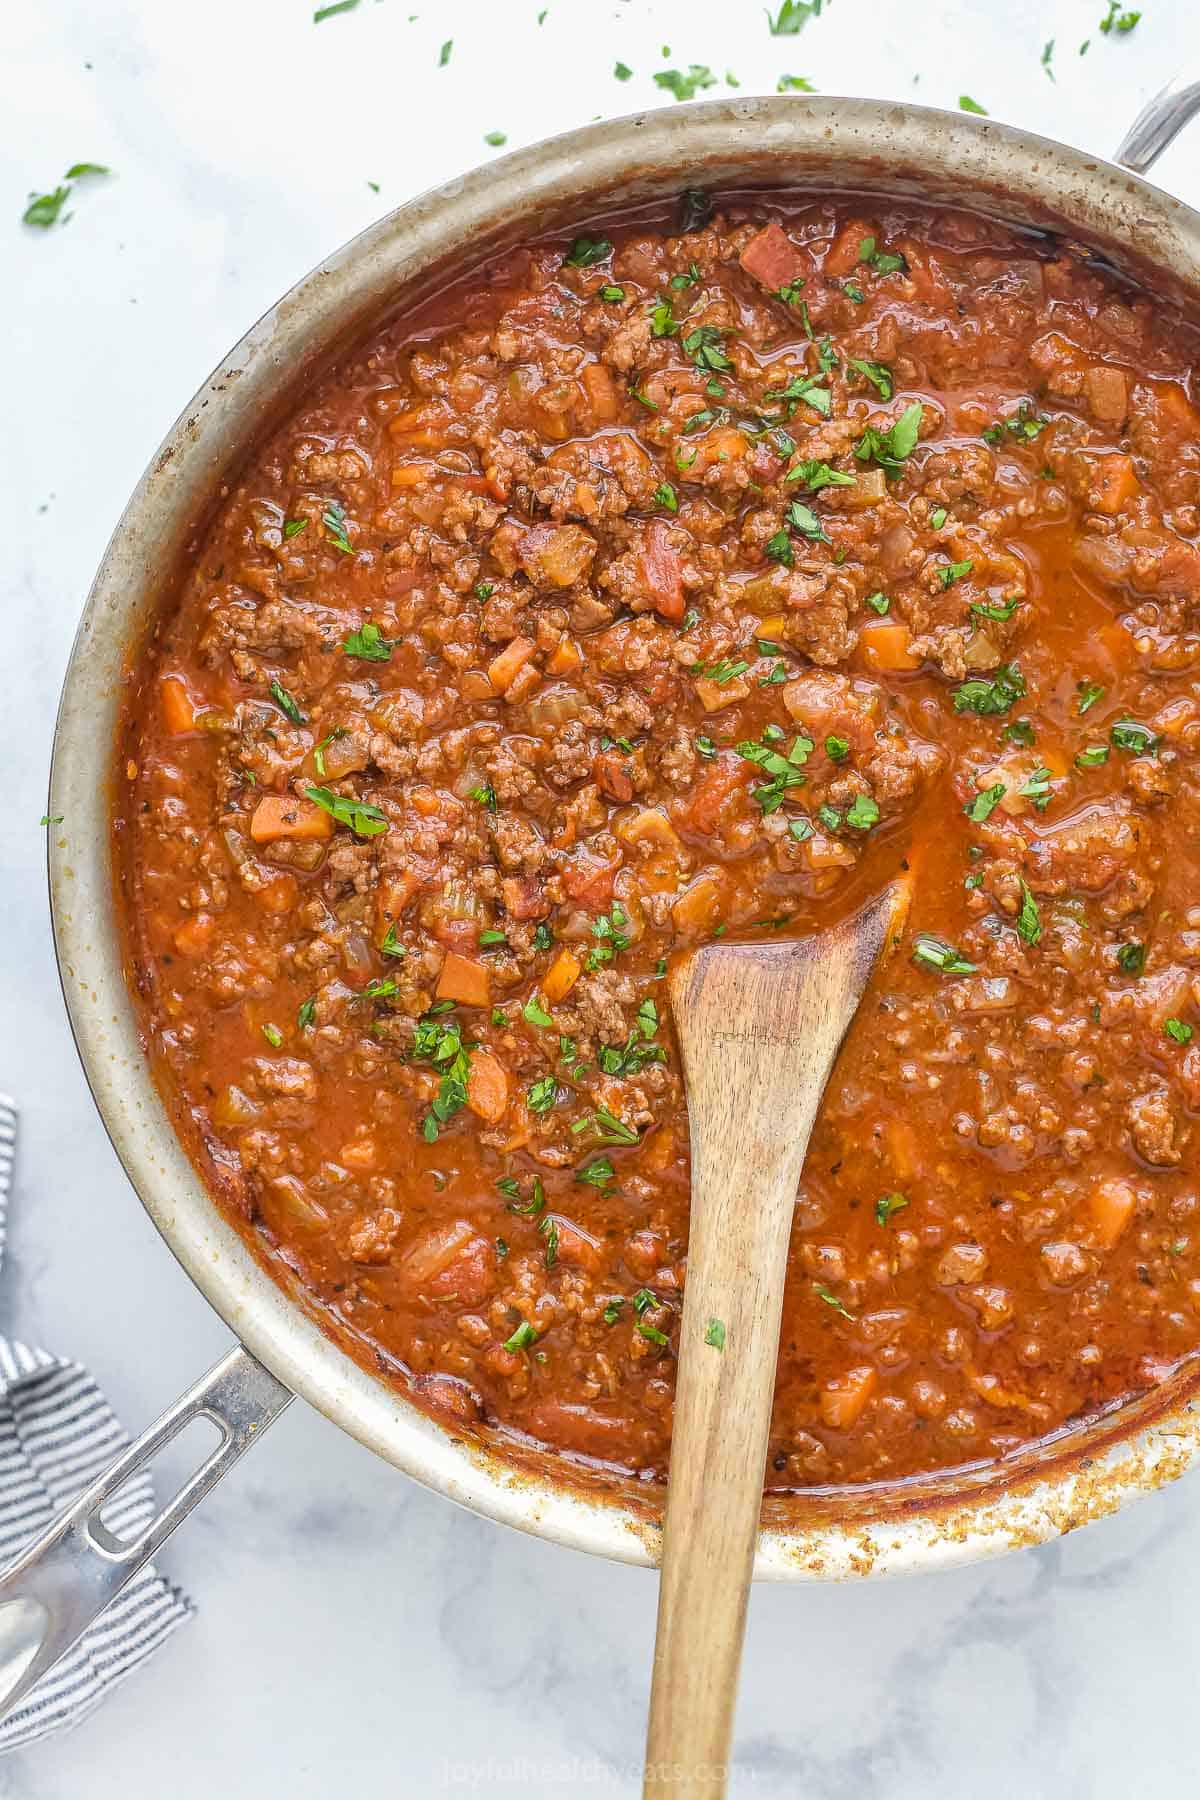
{"type": "Point", "coordinates": [862, 812]}
{"type": "Point", "coordinates": [522, 1337]}
{"type": "Point", "coordinates": [890, 448]}
{"type": "Point", "coordinates": [45, 210]}
{"type": "Point", "coordinates": [989, 609]}
{"type": "Point", "coordinates": [794, 84]}
{"type": "Point", "coordinates": [950, 572]}
{"type": "Point", "coordinates": [1024, 424]}
{"type": "Point", "coordinates": [802, 387]}
{"type": "Point", "coordinates": [1139, 740]}
{"type": "Point", "coordinates": [542, 1095]}
{"type": "Point", "coordinates": [363, 820]}
{"type": "Point", "coordinates": [440, 1042]}
{"type": "Point", "coordinates": [391, 945]}
{"type": "Point", "coordinates": [665, 495]}
{"type": "Point", "coordinates": [883, 262]}
{"type": "Point", "coordinates": [887, 1204]}
{"type": "Point", "coordinates": [444, 53]}
{"type": "Point", "coordinates": [306, 1018]}
{"type": "Point", "coordinates": [818, 475]}
{"type": "Point", "coordinates": [334, 521]}
{"type": "Point", "coordinates": [931, 952]}
{"type": "Point", "coordinates": [984, 804]}
{"type": "Point", "coordinates": [1087, 694]}
{"type": "Point", "coordinates": [877, 373]}
{"type": "Point", "coordinates": [1178, 1031]}
{"type": "Point", "coordinates": [273, 1035]}
{"type": "Point", "coordinates": [534, 1013]}
{"type": "Point", "coordinates": [609, 931]}
{"type": "Point", "coordinates": [786, 772]}
{"type": "Point", "coordinates": [1118, 19]}
{"type": "Point", "coordinates": [586, 251]}
{"type": "Point", "coordinates": [622, 71]}
{"type": "Point", "coordinates": [1132, 958]}
{"type": "Point", "coordinates": [543, 937]}
{"type": "Point", "coordinates": [878, 603]}
{"type": "Point", "coordinates": [485, 795]}
{"type": "Point", "coordinates": [1029, 923]}
{"type": "Point", "coordinates": [1092, 756]}
{"type": "Point", "coordinates": [831, 1299]}
{"type": "Point", "coordinates": [285, 702]}
{"type": "Point", "coordinates": [598, 1174]}
{"type": "Point", "coordinates": [368, 644]}
{"type": "Point", "coordinates": [292, 527]}
{"type": "Point", "coordinates": [986, 698]}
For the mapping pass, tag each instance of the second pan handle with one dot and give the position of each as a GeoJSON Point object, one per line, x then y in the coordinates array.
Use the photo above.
{"type": "Point", "coordinates": [1158, 124]}
{"type": "Point", "coordinates": [63, 1580]}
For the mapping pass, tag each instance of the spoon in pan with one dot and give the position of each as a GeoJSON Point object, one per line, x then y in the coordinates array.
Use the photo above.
{"type": "Point", "coordinates": [759, 1026]}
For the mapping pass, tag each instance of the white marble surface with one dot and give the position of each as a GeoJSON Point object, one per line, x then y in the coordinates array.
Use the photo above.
{"type": "Point", "coordinates": [353, 1632]}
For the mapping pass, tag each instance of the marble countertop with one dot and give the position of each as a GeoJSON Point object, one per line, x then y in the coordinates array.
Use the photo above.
{"type": "Point", "coordinates": [353, 1631]}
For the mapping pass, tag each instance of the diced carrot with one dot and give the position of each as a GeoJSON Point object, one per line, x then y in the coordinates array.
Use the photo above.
{"type": "Point", "coordinates": [1111, 1205]}
{"type": "Point", "coordinates": [465, 980]}
{"type": "Point", "coordinates": [713, 695]}
{"type": "Point", "coordinates": [487, 1087]}
{"type": "Point", "coordinates": [565, 658]}
{"type": "Point", "coordinates": [1112, 481]}
{"type": "Point", "coordinates": [503, 668]}
{"type": "Point", "coordinates": [772, 258]}
{"type": "Point", "coordinates": [278, 895]}
{"type": "Point", "coordinates": [523, 683]}
{"type": "Point", "coordinates": [844, 1396]}
{"type": "Point", "coordinates": [413, 474]}
{"type": "Point", "coordinates": [699, 906]}
{"type": "Point", "coordinates": [601, 394]}
{"type": "Point", "coordinates": [359, 1153]}
{"type": "Point", "coordinates": [772, 628]}
{"type": "Point", "coordinates": [561, 976]}
{"type": "Point", "coordinates": [179, 709]}
{"type": "Point", "coordinates": [284, 816]}
{"type": "Point", "coordinates": [193, 935]}
{"type": "Point", "coordinates": [724, 447]}
{"type": "Point", "coordinates": [425, 801]}
{"type": "Point", "coordinates": [845, 252]}
{"type": "Point", "coordinates": [885, 645]}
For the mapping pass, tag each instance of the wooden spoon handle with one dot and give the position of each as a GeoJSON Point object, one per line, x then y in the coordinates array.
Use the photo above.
{"type": "Point", "coordinates": [759, 1027]}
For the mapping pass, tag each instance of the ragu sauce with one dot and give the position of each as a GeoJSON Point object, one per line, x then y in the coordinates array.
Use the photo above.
{"type": "Point", "coordinates": [674, 581]}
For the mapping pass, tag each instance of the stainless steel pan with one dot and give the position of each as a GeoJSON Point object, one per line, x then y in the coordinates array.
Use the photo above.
{"type": "Point", "coordinates": [60, 1584]}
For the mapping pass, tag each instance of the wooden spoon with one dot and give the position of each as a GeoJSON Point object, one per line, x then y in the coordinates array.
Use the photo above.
{"type": "Point", "coordinates": [759, 1026]}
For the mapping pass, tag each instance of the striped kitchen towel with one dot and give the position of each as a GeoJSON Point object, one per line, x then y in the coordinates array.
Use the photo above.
{"type": "Point", "coordinates": [58, 1433]}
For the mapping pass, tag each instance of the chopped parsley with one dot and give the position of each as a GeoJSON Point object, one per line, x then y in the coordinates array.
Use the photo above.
{"type": "Point", "coordinates": [877, 373]}
{"type": "Point", "coordinates": [612, 293]}
{"type": "Point", "coordinates": [306, 1017]}
{"type": "Point", "coordinates": [862, 812]}
{"type": "Point", "coordinates": [1177, 1031]}
{"type": "Point", "coordinates": [522, 1338]}
{"type": "Point", "coordinates": [703, 345]}
{"type": "Point", "coordinates": [793, 16]}
{"type": "Point", "coordinates": [586, 251]}
{"type": "Point", "coordinates": [831, 1299]}
{"type": "Point", "coordinates": [527, 1209]}
{"type": "Point", "coordinates": [363, 820]}
{"type": "Point", "coordinates": [599, 1173]}
{"type": "Point", "coordinates": [937, 518]}
{"type": "Point", "coordinates": [878, 603]}
{"type": "Point", "coordinates": [1137, 739]}
{"type": "Point", "coordinates": [391, 945]}
{"type": "Point", "coordinates": [837, 749]}
{"type": "Point", "coordinates": [439, 1041]}
{"type": "Point", "coordinates": [485, 795]}
{"type": "Point", "coordinates": [818, 475]}
{"type": "Point", "coordinates": [368, 644]}
{"type": "Point", "coordinates": [335, 6]}
{"type": "Point", "coordinates": [987, 697]}
{"type": "Point", "coordinates": [665, 495]}
{"type": "Point", "coordinates": [887, 1204]}
{"type": "Point", "coordinates": [444, 53]}
{"type": "Point", "coordinates": [1025, 424]}
{"type": "Point", "coordinates": [892, 447]}
{"type": "Point", "coordinates": [802, 387]}
{"type": "Point", "coordinates": [992, 609]}
{"type": "Point", "coordinates": [981, 808]}
{"type": "Point", "coordinates": [785, 772]}
{"type": "Point", "coordinates": [488, 938]}
{"type": "Point", "coordinates": [610, 934]}
{"type": "Point", "coordinates": [714, 1334]}
{"type": "Point", "coordinates": [534, 1013]}
{"type": "Point", "coordinates": [1131, 957]}
{"type": "Point", "coordinates": [542, 1095]}
{"type": "Point", "coordinates": [1029, 923]}
{"type": "Point", "coordinates": [293, 527]}
{"type": "Point", "coordinates": [883, 262]}
{"type": "Point", "coordinates": [334, 521]}
{"type": "Point", "coordinates": [931, 952]}
{"type": "Point", "coordinates": [549, 1230]}
{"type": "Point", "coordinates": [543, 937]}
{"type": "Point", "coordinates": [950, 572]}
{"type": "Point", "coordinates": [1087, 694]}
{"type": "Point", "coordinates": [273, 1035]}
{"type": "Point", "coordinates": [685, 86]}
{"type": "Point", "coordinates": [286, 703]}
{"type": "Point", "coordinates": [1091, 756]}
{"type": "Point", "coordinates": [1038, 788]}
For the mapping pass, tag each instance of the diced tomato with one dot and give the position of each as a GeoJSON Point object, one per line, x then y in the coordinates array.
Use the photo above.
{"type": "Point", "coordinates": [589, 880]}
{"type": "Point", "coordinates": [772, 258]}
{"type": "Point", "coordinates": [662, 571]}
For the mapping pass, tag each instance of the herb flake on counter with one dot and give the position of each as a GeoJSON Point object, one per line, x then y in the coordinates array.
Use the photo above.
{"type": "Point", "coordinates": [622, 71]}
{"type": "Point", "coordinates": [685, 86]}
{"type": "Point", "coordinates": [794, 84]}
{"type": "Point", "coordinates": [495, 138]}
{"type": "Point", "coordinates": [45, 210]}
{"type": "Point", "coordinates": [714, 1334]}
{"type": "Point", "coordinates": [334, 7]}
{"type": "Point", "coordinates": [967, 105]}
{"type": "Point", "coordinates": [53, 818]}
{"type": "Point", "coordinates": [444, 53]}
{"type": "Point", "coordinates": [793, 16]}
{"type": "Point", "coordinates": [1118, 18]}
{"type": "Point", "coordinates": [1048, 58]}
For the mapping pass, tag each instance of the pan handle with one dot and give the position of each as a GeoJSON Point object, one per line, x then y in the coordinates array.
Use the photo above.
{"type": "Point", "coordinates": [62, 1582]}
{"type": "Point", "coordinates": [1158, 124]}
